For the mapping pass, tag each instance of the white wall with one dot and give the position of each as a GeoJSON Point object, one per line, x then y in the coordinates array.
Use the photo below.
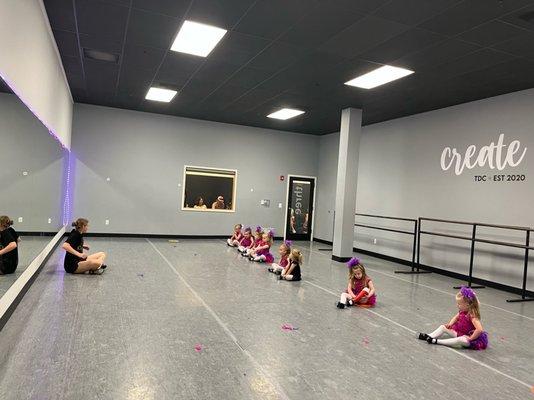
{"type": "Point", "coordinates": [400, 175]}
{"type": "Point", "coordinates": [31, 66]}
{"type": "Point", "coordinates": [144, 155]}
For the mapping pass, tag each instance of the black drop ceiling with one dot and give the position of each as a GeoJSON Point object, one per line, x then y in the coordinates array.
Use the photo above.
{"type": "Point", "coordinates": [296, 53]}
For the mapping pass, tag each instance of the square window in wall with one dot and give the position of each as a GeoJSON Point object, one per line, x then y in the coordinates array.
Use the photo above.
{"type": "Point", "coordinates": [209, 189]}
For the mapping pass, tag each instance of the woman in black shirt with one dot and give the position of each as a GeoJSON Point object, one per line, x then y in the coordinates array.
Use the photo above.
{"type": "Point", "coordinates": [9, 254]}
{"type": "Point", "coordinates": [76, 262]}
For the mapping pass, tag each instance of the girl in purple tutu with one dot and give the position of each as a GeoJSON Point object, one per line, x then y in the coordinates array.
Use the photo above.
{"type": "Point", "coordinates": [360, 290]}
{"type": "Point", "coordinates": [284, 250]}
{"type": "Point", "coordinates": [258, 234]}
{"type": "Point", "coordinates": [247, 241]}
{"type": "Point", "coordinates": [261, 253]}
{"type": "Point", "coordinates": [464, 329]}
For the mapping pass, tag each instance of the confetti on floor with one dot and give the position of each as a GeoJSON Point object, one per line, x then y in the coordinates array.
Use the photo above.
{"type": "Point", "coordinates": [289, 328]}
{"type": "Point", "coordinates": [173, 241]}
{"type": "Point", "coordinates": [198, 348]}
{"type": "Point", "coordinates": [141, 275]}
{"type": "Point", "coordinates": [366, 341]}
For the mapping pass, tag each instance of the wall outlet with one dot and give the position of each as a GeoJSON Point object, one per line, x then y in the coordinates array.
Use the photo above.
{"type": "Point", "coordinates": [251, 190]}
{"type": "Point", "coordinates": [25, 173]}
{"type": "Point", "coordinates": [21, 219]}
{"type": "Point", "coordinates": [108, 179]}
{"type": "Point", "coordinates": [107, 222]}
{"type": "Point", "coordinates": [262, 202]}
{"type": "Point", "coordinates": [280, 205]}
{"type": "Point", "coordinates": [49, 220]}
{"type": "Point", "coordinates": [374, 241]}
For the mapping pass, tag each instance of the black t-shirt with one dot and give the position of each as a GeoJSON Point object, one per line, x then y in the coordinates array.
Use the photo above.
{"type": "Point", "coordinates": [12, 257]}
{"type": "Point", "coordinates": [75, 239]}
{"type": "Point", "coordinates": [296, 270]}
{"type": "Point", "coordinates": [13, 233]}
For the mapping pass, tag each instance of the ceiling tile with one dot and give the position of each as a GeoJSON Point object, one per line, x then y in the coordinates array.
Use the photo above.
{"type": "Point", "coordinates": [413, 12]}
{"type": "Point", "coordinates": [221, 13]}
{"type": "Point", "coordinates": [61, 14]}
{"type": "Point", "coordinates": [238, 48]}
{"type": "Point", "coordinates": [172, 8]}
{"type": "Point", "coordinates": [101, 19]}
{"type": "Point", "coordinates": [318, 25]}
{"type": "Point", "coordinates": [468, 14]}
{"type": "Point", "coordinates": [67, 43]}
{"type": "Point", "coordinates": [271, 18]}
{"type": "Point", "coordinates": [406, 43]}
{"type": "Point", "coordinates": [150, 29]}
{"type": "Point", "coordinates": [362, 36]}
{"type": "Point", "coordinates": [522, 45]}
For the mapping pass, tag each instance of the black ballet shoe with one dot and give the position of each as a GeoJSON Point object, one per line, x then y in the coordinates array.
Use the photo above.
{"type": "Point", "coordinates": [423, 336]}
{"type": "Point", "coordinates": [270, 269]}
{"type": "Point", "coordinates": [431, 340]}
{"type": "Point", "coordinates": [278, 272]}
{"type": "Point", "coordinates": [340, 305]}
{"type": "Point", "coordinates": [281, 278]}
{"type": "Point", "coordinates": [103, 266]}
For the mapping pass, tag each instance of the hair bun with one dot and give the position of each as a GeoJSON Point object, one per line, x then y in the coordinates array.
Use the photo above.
{"type": "Point", "coordinates": [10, 222]}
{"type": "Point", "coordinates": [73, 224]}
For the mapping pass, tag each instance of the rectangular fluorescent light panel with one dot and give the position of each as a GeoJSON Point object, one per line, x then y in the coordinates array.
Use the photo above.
{"type": "Point", "coordinates": [197, 39]}
{"type": "Point", "coordinates": [379, 76]}
{"type": "Point", "coordinates": [159, 94]}
{"type": "Point", "coordinates": [285, 113]}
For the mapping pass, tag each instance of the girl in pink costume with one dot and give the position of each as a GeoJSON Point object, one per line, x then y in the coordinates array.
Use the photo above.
{"type": "Point", "coordinates": [246, 241]}
{"type": "Point", "coordinates": [284, 250]}
{"type": "Point", "coordinates": [261, 253]}
{"type": "Point", "coordinates": [258, 234]}
{"type": "Point", "coordinates": [464, 329]}
{"type": "Point", "coordinates": [360, 290]}
{"type": "Point", "coordinates": [236, 237]}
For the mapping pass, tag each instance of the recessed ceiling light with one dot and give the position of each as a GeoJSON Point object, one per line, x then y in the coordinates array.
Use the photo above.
{"type": "Point", "coordinates": [197, 39]}
{"type": "Point", "coordinates": [285, 113]}
{"type": "Point", "coordinates": [379, 76]}
{"type": "Point", "coordinates": [159, 94]}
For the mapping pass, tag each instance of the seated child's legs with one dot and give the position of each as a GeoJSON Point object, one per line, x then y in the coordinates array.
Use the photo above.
{"type": "Point", "coordinates": [229, 242]}
{"type": "Point", "coordinates": [275, 268]}
{"type": "Point", "coordinates": [442, 331]}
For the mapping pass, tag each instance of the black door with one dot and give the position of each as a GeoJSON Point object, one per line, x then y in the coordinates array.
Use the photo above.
{"type": "Point", "coordinates": [300, 208]}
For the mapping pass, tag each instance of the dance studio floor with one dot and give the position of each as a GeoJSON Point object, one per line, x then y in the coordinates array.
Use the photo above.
{"type": "Point", "coordinates": [194, 320]}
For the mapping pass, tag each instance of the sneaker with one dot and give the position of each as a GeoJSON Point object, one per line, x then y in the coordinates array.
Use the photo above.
{"type": "Point", "coordinates": [431, 340]}
{"type": "Point", "coordinates": [281, 278]}
{"type": "Point", "coordinates": [270, 269]}
{"type": "Point", "coordinates": [278, 272]}
{"type": "Point", "coordinates": [103, 266]}
{"type": "Point", "coordinates": [423, 336]}
{"type": "Point", "coordinates": [340, 305]}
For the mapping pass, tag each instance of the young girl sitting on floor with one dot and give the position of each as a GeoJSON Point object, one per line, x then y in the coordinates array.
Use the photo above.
{"type": "Point", "coordinates": [246, 241]}
{"type": "Point", "coordinates": [261, 252]}
{"type": "Point", "coordinates": [284, 250]}
{"type": "Point", "coordinates": [292, 271]}
{"type": "Point", "coordinates": [360, 290]}
{"type": "Point", "coordinates": [258, 234]}
{"type": "Point", "coordinates": [464, 329]}
{"type": "Point", "coordinates": [236, 237]}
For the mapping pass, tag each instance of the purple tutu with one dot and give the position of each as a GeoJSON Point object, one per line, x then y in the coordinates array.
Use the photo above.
{"type": "Point", "coordinates": [480, 343]}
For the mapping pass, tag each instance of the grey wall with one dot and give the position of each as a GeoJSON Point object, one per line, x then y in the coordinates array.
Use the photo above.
{"type": "Point", "coordinates": [144, 155]}
{"type": "Point", "coordinates": [27, 146]}
{"type": "Point", "coordinates": [400, 175]}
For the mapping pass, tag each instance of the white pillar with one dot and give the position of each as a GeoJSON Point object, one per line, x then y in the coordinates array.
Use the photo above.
{"type": "Point", "coordinates": [347, 180]}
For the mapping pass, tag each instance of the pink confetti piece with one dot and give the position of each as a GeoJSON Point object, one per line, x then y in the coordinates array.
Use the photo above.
{"type": "Point", "coordinates": [198, 348]}
{"type": "Point", "coordinates": [289, 328]}
{"type": "Point", "coordinates": [366, 341]}
{"type": "Point", "coordinates": [502, 337]}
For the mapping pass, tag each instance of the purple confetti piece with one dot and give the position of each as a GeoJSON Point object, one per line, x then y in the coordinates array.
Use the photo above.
{"type": "Point", "coordinates": [289, 328]}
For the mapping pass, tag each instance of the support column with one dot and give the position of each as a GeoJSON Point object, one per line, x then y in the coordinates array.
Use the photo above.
{"type": "Point", "coordinates": [347, 179]}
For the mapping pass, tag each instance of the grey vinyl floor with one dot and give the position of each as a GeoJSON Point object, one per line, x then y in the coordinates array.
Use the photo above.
{"type": "Point", "coordinates": [194, 320]}
{"type": "Point", "coordinates": [29, 248]}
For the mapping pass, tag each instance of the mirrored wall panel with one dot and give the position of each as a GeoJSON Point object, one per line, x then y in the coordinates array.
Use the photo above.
{"type": "Point", "coordinates": [31, 190]}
